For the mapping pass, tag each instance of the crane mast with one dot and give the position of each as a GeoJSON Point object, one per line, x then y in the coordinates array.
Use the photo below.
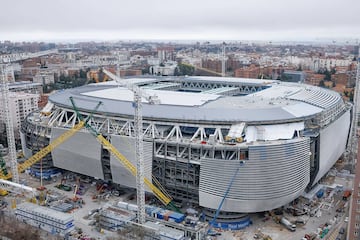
{"type": "Point", "coordinates": [139, 151]}
{"type": "Point", "coordinates": [139, 146]}
{"type": "Point", "coordinates": [9, 123]}
{"type": "Point", "coordinates": [5, 60]}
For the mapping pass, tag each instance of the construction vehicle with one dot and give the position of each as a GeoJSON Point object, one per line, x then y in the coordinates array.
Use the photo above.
{"type": "Point", "coordinates": [213, 221]}
{"type": "Point", "coordinates": [290, 226]}
{"type": "Point", "coordinates": [346, 195]}
{"type": "Point", "coordinates": [274, 216]}
{"type": "Point", "coordinates": [310, 236]}
{"type": "Point", "coordinates": [160, 194]}
{"type": "Point", "coordinates": [3, 192]}
{"type": "Point", "coordinates": [262, 236]}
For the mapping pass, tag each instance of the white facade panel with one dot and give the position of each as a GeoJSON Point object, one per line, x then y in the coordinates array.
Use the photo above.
{"type": "Point", "coordinates": [333, 140]}
{"type": "Point", "coordinates": [81, 153]}
{"type": "Point", "coordinates": [26, 151]}
{"type": "Point", "coordinates": [272, 132]}
{"type": "Point", "coordinates": [274, 175]}
{"type": "Point", "coordinates": [126, 146]}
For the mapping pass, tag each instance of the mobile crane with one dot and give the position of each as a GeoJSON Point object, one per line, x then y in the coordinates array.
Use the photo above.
{"type": "Point", "coordinates": [213, 221]}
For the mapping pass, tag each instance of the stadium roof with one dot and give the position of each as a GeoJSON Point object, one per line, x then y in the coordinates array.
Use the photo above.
{"type": "Point", "coordinates": [278, 102]}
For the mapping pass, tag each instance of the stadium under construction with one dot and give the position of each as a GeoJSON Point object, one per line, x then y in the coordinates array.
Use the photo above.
{"type": "Point", "coordinates": [260, 142]}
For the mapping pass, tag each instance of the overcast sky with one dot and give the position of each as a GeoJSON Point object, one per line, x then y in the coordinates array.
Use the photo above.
{"type": "Point", "coordinates": [68, 20]}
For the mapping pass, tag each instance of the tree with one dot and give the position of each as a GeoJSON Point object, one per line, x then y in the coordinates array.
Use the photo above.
{"type": "Point", "coordinates": [184, 69]}
{"type": "Point", "coordinates": [327, 75]}
{"type": "Point", "coordinates": [13, 229]}
{"type": "Point", "coordinates": [82, 74]}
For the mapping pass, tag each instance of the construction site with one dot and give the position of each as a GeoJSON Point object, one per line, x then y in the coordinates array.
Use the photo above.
{"type": "Point", "coordinates": [181, 158]}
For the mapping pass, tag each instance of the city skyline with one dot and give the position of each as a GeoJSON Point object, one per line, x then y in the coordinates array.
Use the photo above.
{"type": "Point", "coordinates": [184, 20]}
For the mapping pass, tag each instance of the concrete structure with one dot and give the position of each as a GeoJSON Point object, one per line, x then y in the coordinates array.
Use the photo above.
{"type": "Point", "coordinates": [165, 233]}
{"type": "Point", "coordinates": [45, 218]}
{"type": "Point", "coordinates": [44, 77]}
{"type": "Point", "coordinates": [285, 136]}
{"type": "Point", "coordinates": [20, 105]}
{"type": "Point", "coordinates": [114, 219]}
{"type": "Point", "coordinates": [293, 76]}
{"type": "Point", "coordinates": [166, 69]}
{"type": "Point", "coordinates": [354, 223]}
{"type": "Point", "coordinates": [25, 86]}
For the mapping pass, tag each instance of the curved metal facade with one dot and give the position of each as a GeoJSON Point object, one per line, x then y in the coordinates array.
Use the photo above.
{"type": "Point", "coordinates": [273, 175]}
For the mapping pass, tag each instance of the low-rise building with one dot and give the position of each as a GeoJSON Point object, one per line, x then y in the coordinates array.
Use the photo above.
{"type": "Point", "coordinates": [45, 218]}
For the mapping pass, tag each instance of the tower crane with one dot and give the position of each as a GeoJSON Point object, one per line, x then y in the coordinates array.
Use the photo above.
{"type": "Point", "coordinates": [160, 194]}
{"type": "Point", "coordinates": [9, 122]}
{"type": "Point", "coordinates": [5, 68]}
{"type": "Point", "coordinates": [140, 187]}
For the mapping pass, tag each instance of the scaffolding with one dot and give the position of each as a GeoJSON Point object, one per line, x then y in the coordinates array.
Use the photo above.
{"type": "Point", "coordinates": [9, 122]}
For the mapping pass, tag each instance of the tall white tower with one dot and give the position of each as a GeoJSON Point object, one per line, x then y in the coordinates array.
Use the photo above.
{"type": "Point", "coordinates": [223, 70]}
{"type": "Point", "coordinates": [4, 69]}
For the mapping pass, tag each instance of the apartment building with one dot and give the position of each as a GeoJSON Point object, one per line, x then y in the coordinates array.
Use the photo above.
{"type": "Point", "coordinates": [20, 105]}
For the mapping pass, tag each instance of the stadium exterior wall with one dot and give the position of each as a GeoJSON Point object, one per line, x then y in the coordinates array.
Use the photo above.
{"type": "Point", "coordinates": [274, 175]}
{"type": "Point", "coordinates": [80, 154]}
{"type": "Point", "coordinates": [333, 139]}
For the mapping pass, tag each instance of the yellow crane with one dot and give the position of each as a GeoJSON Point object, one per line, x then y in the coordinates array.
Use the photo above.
{"type": "Point", "coordinates": [160, 194]}
{"type": "Point", "coordinates": [130, 167]}
{"type": "Point", "coordinates": [46, 150]}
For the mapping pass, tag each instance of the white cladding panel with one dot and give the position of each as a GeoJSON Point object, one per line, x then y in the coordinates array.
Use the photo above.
{"type": "Point", "coordinates": [275, 174]}
{"type": "Point", "coordinates": [27, 152]}
{"type": "Point", "coordinates": [126, 146]}
{"type": "Point", "coordinates": [333, 141]}
{"type": "Point", "coordinates": [81, 153]}
{"type": "Point", "coordinates": [273, 132]}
